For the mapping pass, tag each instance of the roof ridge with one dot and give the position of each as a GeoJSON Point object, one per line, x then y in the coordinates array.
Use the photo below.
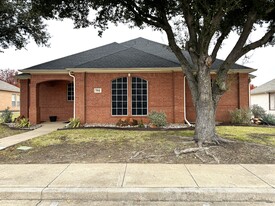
{"type": "Point", "coordinates": [127, 48]}
{"type": "Point", "coordinates": [102, 57]}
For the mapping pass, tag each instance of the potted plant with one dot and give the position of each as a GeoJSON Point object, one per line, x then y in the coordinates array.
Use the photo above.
{"type": "Point", "coordinates": [53, 118]}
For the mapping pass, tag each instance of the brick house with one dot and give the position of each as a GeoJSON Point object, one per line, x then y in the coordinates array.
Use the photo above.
{"type": "Point", "coordinates": [113, 81]}
{"type": "Point", "coordinates": [9, 96]}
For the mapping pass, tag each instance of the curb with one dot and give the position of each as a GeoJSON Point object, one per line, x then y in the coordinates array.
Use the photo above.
{"type": "Point", "coordinates": [142, 194]}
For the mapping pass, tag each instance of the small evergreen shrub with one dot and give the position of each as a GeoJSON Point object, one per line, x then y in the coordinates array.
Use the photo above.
{"type": "Point", "coordinates": [268, 119]}
{"type": "Point", "coordinates": [241, 116]}
{"type": "Point", "coordinates": [73, 123]}
{"type": "Point", "coordinates": [6, 116]}
{"type": "Point", "coordinates": [158, 118]}
{"type": "Point", "coordinates": [258, 111]}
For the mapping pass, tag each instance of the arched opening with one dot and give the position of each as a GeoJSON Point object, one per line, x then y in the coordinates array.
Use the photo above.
{"type": "Point", "coordinates": [55, 98]}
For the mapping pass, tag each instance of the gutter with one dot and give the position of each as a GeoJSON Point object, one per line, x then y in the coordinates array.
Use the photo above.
{"type": "Point", "coordinates": [70, 74]}
{"type": "Point", "coordinates": [184, 103]}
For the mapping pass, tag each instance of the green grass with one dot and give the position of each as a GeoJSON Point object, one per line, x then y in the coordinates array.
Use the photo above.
{"type": "Point", "coordinates": [5, 131]}
{"type": "Point", "coordinates": [258, 135]}
{"type": "Point", "coordinates": [101, 135]}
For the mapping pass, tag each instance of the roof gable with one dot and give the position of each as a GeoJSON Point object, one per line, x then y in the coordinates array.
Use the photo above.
{"type": "Point", "coordinates": [265, 88]}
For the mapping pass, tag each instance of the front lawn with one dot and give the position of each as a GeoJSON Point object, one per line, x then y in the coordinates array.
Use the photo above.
{"type": "Point", "coordinates": [6, 131]}
{"type": "Point", "coordinates": [106, 145]}
{"type": "Point", "coordinates": [258, 135]}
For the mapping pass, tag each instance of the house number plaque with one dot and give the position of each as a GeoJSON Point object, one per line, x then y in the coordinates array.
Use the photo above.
{"type": "Point", "coordinates": [97, 90]}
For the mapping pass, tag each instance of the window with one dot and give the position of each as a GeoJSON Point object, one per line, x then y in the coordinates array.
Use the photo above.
{"type": "Point", "coordinates": [13, 100]}
{"type": "Point", "coordinates": [139, 96]}
{"type": "Point", "coordinates": [119, 96]}
{"type": "Point", "coordinates": [272, 101]}
{"type": "Point", "coordinates": [70, 92]}
{"type": "Point", "coordinates": [18, 101]}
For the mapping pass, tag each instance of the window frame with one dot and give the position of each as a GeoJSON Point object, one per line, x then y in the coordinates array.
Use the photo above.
{"type": "Point", "coordinates": [72, 96]}
{"type": "Point", "coordinates": [127, 95]}
{"type": "Point", "coordinates": [13, 102]}
{"type": "Point", "coordinates": [147, 97]}
{"type": "Point", "coordinates": [18, 100]}
{"type": "Point", "coordinates": [270, 98]}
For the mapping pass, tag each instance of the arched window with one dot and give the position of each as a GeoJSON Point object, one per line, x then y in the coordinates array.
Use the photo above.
{"type": "Point", "coordinates": [139, 96]}
{"type": "Point", "coordinates": [119, 96]}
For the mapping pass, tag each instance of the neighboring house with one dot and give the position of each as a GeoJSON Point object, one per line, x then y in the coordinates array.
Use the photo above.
{"type": "Point", "coordinates": [9, 96]}
{"type": "Point", "coordinates": [116, 81]}
{"type": "Point", "coordinates": [264, 96]}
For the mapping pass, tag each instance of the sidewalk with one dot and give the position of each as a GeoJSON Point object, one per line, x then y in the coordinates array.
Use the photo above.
{"type": "Point", "coordinates": [138, 184]}
{"type": "Point", "coordinates": [46, 128]}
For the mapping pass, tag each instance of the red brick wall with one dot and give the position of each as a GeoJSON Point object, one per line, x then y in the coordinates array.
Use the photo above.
{"type": "Point", "coordinates": [39, 96]}
{"type": "Point", "coordinates": [165, 93]}
{"type": "Point", "coordinates": [160, 96]}
{"type": "Point", "coordinates": [24, 97]}
{"type": "Point", "coordinates": [236, 97]}
{"type": "Point", "coordinates": [53, 101]}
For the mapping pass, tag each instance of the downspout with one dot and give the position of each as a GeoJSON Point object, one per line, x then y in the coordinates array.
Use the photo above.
{"type": "Point", "coordinates": [184, 105]}
{"type": "Point", "coordinates": [70, 74]}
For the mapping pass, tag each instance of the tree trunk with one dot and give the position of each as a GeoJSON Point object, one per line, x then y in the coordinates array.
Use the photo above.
{"type": "Point", "coordinates": [205, 107]}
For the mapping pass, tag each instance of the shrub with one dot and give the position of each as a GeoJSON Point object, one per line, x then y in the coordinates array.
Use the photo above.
{"type": "Point", "coordinates": [268, 119]}
{"type": "Point", "coordinates": [258, 111]}
{"type": "Point", "coordinates": [73, 123]}
{"type": "Point", "coordinates": [157, 118]}
{"type": "Point", "coordinates": [241, 116]}
{"type": "Point", "coordinates": [124, 122]}
{"type": "Point", "coordinates": [23, 123]}
{"type": "Point", "coordinates": [6, 116]}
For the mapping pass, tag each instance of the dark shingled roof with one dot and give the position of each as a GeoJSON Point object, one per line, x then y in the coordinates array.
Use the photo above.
{"type": "Point", "coordinates": [265, 88]}
{"type": "Point", "coordinates": [129, 58]}
{"type": "Point", "coordinates": [136, 53]}
{"type": "Point", "coordinates": [4, 86]}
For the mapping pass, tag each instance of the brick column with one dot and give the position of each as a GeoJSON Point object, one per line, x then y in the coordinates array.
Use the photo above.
{"type": "Point", "coordinates": [178, 97]}
{"type": "Point", "coordinates": [80, 96]}
{"type": "Point", "coordinates": [33, 104]}
{"type": "Point", "coordinates": [24, 97]}
{"type": "Point", "coordinates": [243, 91]}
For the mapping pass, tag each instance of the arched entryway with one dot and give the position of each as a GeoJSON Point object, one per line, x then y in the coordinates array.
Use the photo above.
{"type": "Point", "coordinates": [55, 98]}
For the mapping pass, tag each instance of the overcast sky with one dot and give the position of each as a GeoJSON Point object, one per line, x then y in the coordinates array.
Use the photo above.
{"type": "Point", "coordinates": [66, 40]}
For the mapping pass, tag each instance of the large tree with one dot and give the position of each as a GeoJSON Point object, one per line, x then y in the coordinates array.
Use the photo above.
{"type": "Point", "coordinates": [189, 24]}
{"type": "Point", "coordinates": [19, 23]}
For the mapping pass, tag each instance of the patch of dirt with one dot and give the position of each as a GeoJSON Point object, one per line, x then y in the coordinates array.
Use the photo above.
{"type": "Point", "coordinates": [153, 150]}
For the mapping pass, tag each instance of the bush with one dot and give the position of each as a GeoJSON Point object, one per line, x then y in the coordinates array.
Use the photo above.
{"type": "Point", "coordinates": [6, 116]}
{"type": "Point", "coordinates": [124, 122]}
{"type": "Point", "coordinates": [157, 118]}
{"type": "Point", "coordinates": [73, 123]}
{"type": "Point", "coordinates": [241, 116]}
{"type": "Point", "coordinates": [268, 119]}
{"type": "Point", "coordinates": [23, 123]}
{"type": "Point", "coordinates": [258, 111]}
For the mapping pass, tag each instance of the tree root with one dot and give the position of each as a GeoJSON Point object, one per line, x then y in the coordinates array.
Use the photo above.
{"type": "Point", "coordinates": [195, 150]}
{"type": "Point", "coordinates": [142, 155]}
{"type": "Point", "coordinates": [189, 150]}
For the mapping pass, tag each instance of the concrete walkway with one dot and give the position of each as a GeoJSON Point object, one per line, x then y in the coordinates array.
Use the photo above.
{"type": "Point", "coordinates": [46, 128]}
{"type": "Point", "coordinates": [137, 184]}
